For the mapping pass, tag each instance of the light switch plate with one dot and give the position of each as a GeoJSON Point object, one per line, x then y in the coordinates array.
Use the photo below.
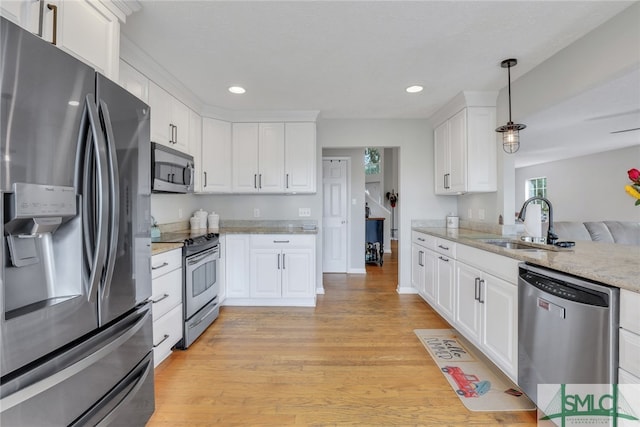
{"type": "Point", "coordinates": [256, 213]}
{"type": "Point", "coordinates": [304, 211]}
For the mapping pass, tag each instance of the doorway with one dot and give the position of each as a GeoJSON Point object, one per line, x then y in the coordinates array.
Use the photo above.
{"type": "Point", "coordinates": [354, 247]}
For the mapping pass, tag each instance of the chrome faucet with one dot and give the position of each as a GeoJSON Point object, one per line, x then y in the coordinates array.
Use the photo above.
{"type": "Point", "coordinates": [552, 237]}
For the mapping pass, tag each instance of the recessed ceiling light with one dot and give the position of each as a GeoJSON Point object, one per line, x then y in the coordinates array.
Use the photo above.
{"type": "Point", "coordinates": [237, 90]}
{"type": "Point", "coordinates": [74, 103]}
{"type": "Point", "coordinates": [414, 89]}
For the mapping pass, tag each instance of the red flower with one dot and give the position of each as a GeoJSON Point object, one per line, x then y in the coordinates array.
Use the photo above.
{"type": "Point", "coordinates": [634, 174]}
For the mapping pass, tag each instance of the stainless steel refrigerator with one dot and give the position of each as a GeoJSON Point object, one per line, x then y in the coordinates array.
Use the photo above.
{"type": "Point", "coordinates": [75, 322]}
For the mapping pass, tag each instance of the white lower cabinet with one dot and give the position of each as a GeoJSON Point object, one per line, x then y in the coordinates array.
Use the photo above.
{"type": "Point", "coordinates": [629, 352]}
{"type": "Point", "coordinates": [281, 270]}
{"type": "Point", "coordinates": [445, 289]}
{"type": "Point", "coordinates": [236, 266]}
{"type": "Point", "coordinates": [166, 299]}
{"type": "Point", "coordinates": [432, 272]}
{"type": "Point", "coordinates": [474, 290]}
{"type": "Point", "coordinates": [487, 305]}
{"type": "Point", "coordinates": [423, 267]}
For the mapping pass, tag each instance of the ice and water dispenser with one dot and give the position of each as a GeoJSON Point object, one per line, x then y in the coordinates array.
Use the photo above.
{"type": "Point", "coordinates": [43, 232]}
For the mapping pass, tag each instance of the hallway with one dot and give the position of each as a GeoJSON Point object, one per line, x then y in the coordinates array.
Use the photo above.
{"type": "Point", "coordinates": [352, 360]}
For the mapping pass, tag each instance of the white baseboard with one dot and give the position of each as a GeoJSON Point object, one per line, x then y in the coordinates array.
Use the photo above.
{"type": "Point", "coordinates": [319, 291]}
{"type": "Point", "coordinates": [406, 290]}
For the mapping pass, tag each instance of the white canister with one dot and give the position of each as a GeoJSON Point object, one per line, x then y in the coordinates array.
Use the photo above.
{"type": "Point", "coordinates": [202, 217]}
{"type": "Point", "coordinates": [452, 221]}
{"type": "Point", "coordinates": [194, 222]}
{"type": "Point", "coordinates": [214, 221]}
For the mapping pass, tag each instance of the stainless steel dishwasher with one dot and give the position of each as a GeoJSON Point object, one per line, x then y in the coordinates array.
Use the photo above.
{"type": "Point", "coordinates": [567, 330]}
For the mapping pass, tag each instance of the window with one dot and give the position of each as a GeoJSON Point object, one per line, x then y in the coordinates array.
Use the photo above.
{"type": "Point", "coordinates": [371, 161]}
{"type": "Point", "coordinates": [537, 187]}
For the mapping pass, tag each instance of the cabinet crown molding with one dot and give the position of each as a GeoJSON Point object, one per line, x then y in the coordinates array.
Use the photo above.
{"type": "Point", "coordinates": [122, 8]}
{"type": "Point", "coordinates": [462, 100]}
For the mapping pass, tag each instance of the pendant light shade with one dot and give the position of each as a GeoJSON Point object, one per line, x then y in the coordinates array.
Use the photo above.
{"type": "Point", "coordinates": [511, 131]}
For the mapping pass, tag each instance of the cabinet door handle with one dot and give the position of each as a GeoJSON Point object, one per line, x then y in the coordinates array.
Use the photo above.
{"type": "Point", "coordinates": [420, 261]}
{"type": "Point", "coordinates": [255, 180]}
{"type": "Point", "coordinates": [287, 180]}
{"type": "Point", "coordinates": [164, 264]}
{"type": "Point", "coordinates": [155, 301]}
{"type": "Point", "coordinates": [284, 267]}
{"type": "Point", "coordinates": [205, 179]}
{"type": "Point", "coordinates": [175, 139]}
{"type": "Point", "coordinates": [260, 181]}
{"type": "Point", "coordinates": [443, 259]}
{"type": "Point", "coordinates": [476, 289]}
{"type": "Point", "coordinates": [278, 261]}
{"type": "Point", "coordinates": [164, 338]}
{"type": "Point", "coordinates": [480, 300]}
{"type": "Point", "coordinates": [54, 8]}
{"type": "Point", "coordinates": [280, 241]}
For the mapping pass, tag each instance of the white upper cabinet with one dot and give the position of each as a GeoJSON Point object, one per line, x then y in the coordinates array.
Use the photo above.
{"type": "Point", "coordinates": [195, 147]}
{"type": "Point", "coordinates": [465, 146]}
{"type": "Point", "coordinates": [300, 157]}
{"type": "Point", "coordinates": [271, 158]}
{"type": "Point", "coordinates": [258, 157]}
{"type": "Point", "coordinates": [169, 119]}
{"type": "Point", "coordinates": [244, 144]}
{"type": "Point", "coordinates": [215, 175]}
{"type": "Point", "coordinates": [134, 81]}
{"type": "Point", "coordinates": [85, 29]}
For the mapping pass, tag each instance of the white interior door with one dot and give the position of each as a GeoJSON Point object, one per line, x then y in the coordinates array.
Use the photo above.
{"type": "Point", "coordinates": [334, 217]}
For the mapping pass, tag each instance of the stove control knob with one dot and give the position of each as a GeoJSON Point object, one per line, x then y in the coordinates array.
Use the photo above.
{"type": "Point", "coordinates": [189, 242]}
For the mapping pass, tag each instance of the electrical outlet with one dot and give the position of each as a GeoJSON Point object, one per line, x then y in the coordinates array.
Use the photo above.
{"type": "Point", "coordinates": [256, 213]}
{"type": "Point", "coordinates": [480, 214]}
{"type": "Point", "coordinates": [470, 213]}
{"type": "Point", "coordinates": [179, 213]}
{"type": "Point", "coordinates": [304, 211]}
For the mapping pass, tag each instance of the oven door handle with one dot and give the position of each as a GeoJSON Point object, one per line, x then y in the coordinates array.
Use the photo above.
{"type": "Point", "coordinates": [196, 258]}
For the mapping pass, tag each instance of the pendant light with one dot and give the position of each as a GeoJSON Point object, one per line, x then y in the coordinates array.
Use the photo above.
{"type": "Point", "coordinates": [511, 131]}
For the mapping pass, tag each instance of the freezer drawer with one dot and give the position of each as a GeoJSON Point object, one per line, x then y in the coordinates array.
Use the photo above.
{"type": "Point", "coordinates": [107, 377]}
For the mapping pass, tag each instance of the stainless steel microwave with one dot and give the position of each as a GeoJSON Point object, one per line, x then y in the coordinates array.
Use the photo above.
{"type": "Point", "coordinates": [172, 171]}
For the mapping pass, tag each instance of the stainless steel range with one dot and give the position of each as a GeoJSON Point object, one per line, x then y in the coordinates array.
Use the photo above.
{"type": "Point", "coordinates": [200, 292]}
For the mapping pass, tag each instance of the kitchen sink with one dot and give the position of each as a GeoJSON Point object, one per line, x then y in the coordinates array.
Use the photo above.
{"type": "Point", "coordinates": [518, 245]}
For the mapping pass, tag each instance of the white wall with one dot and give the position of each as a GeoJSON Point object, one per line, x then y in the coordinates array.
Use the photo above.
{"type": "Point", "coordinates": [415, 164]}
{"type": "Point", "coordinates": [579, 194]}
{"type": "Point", "coordinates": [605, 53]}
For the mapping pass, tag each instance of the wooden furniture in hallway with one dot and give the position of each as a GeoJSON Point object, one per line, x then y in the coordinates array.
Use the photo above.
{"type": "Point", "coordinates": [352, 360]}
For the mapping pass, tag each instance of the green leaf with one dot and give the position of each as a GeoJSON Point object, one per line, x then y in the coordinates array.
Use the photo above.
{"type": "Point", "coordinates": [638, 202]}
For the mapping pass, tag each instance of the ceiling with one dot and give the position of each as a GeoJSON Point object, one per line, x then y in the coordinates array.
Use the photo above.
{"type": "Point", "coordinates": [353, 59]}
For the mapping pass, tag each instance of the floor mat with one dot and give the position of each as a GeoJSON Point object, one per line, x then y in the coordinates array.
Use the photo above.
{"type": "Point", "coordinates": [479, 387]}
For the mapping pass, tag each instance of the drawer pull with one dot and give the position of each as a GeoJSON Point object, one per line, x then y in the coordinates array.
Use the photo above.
{"type": "Point", "coordinates": [444, 259]}
{"type": "Point", "coordinates": [165, 296]}
{"type": "Point", "coordinates": [443, 247]}
{"type": "Point", "coordinates": [421, 239]}
{"type": "Point", "coordinates": [164, 264]}
{"type": "Point", "coordinates": [164, 338]}
{"type": "Point", "coordinates": [280, 241]}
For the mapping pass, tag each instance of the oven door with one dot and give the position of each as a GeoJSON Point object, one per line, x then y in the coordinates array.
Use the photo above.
{"type": "Point", "coordinates": [201, 285]}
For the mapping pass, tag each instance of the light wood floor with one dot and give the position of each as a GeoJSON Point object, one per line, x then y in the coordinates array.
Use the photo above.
{"type": "Point", "coordinates": [352, 360]}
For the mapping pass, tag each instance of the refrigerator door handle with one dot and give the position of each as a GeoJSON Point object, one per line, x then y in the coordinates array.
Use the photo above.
{"type": "Point", "coordinates": [130, 384]}
{"type": "Point", "coordinates": [50, 381]}
{"type": "Point", "coordinates": [114, 195]}
{"type": "Point", "coordinates": [98, 149]}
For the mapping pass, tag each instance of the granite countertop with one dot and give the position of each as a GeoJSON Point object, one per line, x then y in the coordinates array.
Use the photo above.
{"type": "Point", "coordinates": [158, 248]}
{"type": "Point", "coordinates": [265, 230]}
{"type": "Point", "coordinates": [609, 263]}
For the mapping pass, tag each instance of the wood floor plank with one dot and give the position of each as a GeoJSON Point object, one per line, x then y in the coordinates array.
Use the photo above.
{"type": "Point", "coordinates": [351, 360]}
